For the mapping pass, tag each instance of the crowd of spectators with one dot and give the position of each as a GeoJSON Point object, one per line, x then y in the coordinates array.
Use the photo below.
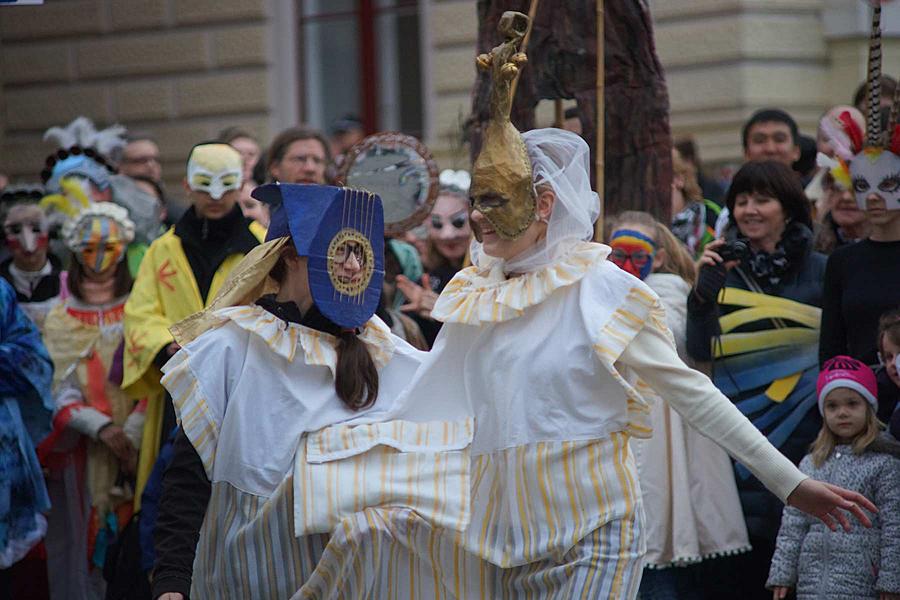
{"type": "Point", "coordinates": [765, 280]}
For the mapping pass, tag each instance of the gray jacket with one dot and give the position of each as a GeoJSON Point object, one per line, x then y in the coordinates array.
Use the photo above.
{"type": "Point", "coordinates": [828, 565]}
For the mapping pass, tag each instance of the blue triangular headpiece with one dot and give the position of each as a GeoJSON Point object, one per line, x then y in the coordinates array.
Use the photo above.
{"type": "Point", "coordinates": [341, 231]}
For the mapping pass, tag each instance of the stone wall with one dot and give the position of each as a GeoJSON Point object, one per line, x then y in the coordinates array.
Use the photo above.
{"type": "Point", "coordinates": [178, 69]}
{"type": "Point", "coordinates": [725, 59]}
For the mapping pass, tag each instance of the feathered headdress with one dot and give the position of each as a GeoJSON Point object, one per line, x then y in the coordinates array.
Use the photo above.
{"type": "Point", "coordinates": [82, 150]}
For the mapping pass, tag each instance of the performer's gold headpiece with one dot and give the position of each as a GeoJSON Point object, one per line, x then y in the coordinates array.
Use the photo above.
{"type": "Point", "coordinates": [501, 188]}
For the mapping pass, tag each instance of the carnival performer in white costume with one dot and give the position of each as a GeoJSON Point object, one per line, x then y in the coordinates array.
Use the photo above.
{"type": "Point", "coordinates": [555, 352]}
{"type": "Point", "coordinates": [265, 391]}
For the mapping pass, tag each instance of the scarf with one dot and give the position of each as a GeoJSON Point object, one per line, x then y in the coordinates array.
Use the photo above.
{"type": "Point", "coordinates": [770, 268]}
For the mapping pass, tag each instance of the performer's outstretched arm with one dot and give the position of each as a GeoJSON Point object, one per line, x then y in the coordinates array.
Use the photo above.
{"type": "Point", "coordinates": [182, 507]}
{"type": "Point", "coordinates": [653, 357]}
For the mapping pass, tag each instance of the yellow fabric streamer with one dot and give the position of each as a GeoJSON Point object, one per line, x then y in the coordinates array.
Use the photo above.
{"type": "Point", "coordinates": [780, 389]}
{"type": "Point", "coordinates": [808, 315]}
{"type": "Point", "coordinates": [740, 343]}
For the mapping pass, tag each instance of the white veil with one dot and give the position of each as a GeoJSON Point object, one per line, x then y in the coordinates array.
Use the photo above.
{"type": "Point", "coordinates": [560, 159]}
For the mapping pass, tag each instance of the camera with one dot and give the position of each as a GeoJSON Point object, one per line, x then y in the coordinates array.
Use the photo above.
{"type": "Point", "coordinates": [735, 250]}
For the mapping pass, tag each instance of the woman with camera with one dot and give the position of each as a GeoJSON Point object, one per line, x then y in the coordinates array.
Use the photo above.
{"type": "Point", "coordinates": [754, 312]}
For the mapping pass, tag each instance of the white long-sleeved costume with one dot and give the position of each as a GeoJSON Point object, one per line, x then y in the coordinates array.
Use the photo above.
{"type": "Point", "coordinates": [255, 396]}
{"type": "Point", "coordinates": [555, 366]}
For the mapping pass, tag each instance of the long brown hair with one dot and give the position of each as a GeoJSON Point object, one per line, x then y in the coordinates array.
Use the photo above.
{"type": "Point", "coordinates": [356, 377]}
{"type": "Point", "coordinates": [76, 277]}
{"type": "Point", "coordinates": [678, 259]}
{"type": "Point", "coordinates": [825, 442]}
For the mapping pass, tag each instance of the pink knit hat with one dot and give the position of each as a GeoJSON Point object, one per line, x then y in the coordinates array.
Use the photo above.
{"type": "Point", "coordinates": [847, 372]}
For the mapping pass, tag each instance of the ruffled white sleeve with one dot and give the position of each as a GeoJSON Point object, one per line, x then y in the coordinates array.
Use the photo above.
{"type": "Point", "coordinates": [652, 356]}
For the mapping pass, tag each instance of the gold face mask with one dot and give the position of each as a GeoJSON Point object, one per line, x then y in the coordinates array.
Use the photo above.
{"type": "Point", "coordinates": [501, 177]}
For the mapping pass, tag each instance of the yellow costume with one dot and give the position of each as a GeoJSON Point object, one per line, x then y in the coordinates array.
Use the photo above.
{"type": "Point", "coordinates": [165, 292]}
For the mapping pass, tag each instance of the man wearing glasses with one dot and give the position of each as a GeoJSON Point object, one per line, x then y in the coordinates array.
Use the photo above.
{"type": "Point", "coordinates": [140, 158]}
{"type": "Point", "coordinates": [298, 155]}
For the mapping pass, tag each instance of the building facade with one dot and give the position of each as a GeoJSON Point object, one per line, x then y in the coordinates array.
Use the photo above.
{"type": "Point", "coordinates": [182, 70]}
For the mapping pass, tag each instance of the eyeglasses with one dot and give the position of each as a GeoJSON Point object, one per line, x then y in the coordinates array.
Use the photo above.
{"type": "Point", "coordinates": [639, 258]}
{"type": "Point", "coordinates": [141, 160]}
{"type": "Point", "coordinates": [458, 221]}
{"type": "Point", "coordinates": [304, 158]}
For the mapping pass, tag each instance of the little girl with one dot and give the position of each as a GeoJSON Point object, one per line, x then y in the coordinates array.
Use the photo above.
{"type": "Point", "coordinates": [690, 499]}
{"type": "Point", "coordinates": [848, 452]}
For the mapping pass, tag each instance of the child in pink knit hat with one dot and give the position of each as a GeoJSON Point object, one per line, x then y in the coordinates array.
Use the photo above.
{"type": "Point", "coordinates": [848, 374]}
{"type": "Point", "coordinates": [850, 452]}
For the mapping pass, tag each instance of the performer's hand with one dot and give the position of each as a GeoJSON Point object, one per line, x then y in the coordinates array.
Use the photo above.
{"type": "Point", "coordinates": [115, 439]}
{"type": "Point", "coordinates": [420, 299]}
{"type": "Point", "coordinates": [172, 348]}
{"type": "Point", "coordinates": [780, 592]}
{"type": "Point", "coordinates": [828, 502]}
{"type": "Point", "coordinates": [171, 596]}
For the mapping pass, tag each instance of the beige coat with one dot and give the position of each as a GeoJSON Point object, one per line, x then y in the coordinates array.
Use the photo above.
{"type": "Point", "coordinates": [690, 499]}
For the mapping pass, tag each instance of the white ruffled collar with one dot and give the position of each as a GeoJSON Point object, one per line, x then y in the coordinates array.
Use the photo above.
{"type": "Point", "coordinates": [318, 348]}
{"type": "Point", "coordinates": [474, 297]}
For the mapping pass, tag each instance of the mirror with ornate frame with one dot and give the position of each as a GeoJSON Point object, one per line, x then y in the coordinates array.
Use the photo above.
{"type": "Point", "coordinates": [401, 170]}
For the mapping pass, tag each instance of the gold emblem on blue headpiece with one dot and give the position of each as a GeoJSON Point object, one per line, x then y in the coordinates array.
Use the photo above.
{"type": "Point", "coordinates": [341, 231]}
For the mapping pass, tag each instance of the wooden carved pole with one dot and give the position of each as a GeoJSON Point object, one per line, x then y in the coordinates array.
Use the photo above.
{"type": "Point", "coordinates": [601, 54]}
{"type": "Point", "coordinates": [601, 129]}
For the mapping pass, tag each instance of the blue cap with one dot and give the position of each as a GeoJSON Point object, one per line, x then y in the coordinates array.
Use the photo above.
{"type": "Point", "coordinates": [329, 225]}
{"type": "Point", "coordinates": [77, 164]}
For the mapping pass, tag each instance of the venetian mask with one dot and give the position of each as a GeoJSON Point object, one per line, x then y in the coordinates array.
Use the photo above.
{"type": "Point", "coordinates": [98, 236]}
{"type": "Point", "coordinates": [501, 187]}
{"type": "Point", "coordinates": [26, 228]}
{"type": "Point", "coordinates": [876, 171]}
{"type": "Point", "coordinates": [633, 252]}
{"type": "Point", "coordinates": [448, 226]}
{"type": "Point", "coordinates": [341, 232]}
{"type": "Point", "coordinates": [214, 169]}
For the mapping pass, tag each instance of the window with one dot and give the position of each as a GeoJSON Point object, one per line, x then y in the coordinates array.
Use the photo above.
{"type": "Point", "coordinates": [362, 58]}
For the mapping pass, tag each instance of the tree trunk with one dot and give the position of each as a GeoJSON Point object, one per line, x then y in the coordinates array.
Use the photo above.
{"type": "Point", "coordinates": [562, 63]}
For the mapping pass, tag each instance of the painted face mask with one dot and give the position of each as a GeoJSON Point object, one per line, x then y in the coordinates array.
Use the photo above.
{"type": "Point", "coordinates": [876, 171]}
{"type": "Point", "coordinates": [455, 225]}
{"type": "Point", "coordinates": [633, 252]}
{"type": "Point", "coordinates": [99, 235]}
{"type": "Point", "coordinates": [26, 228]}
{"type": "Point", "coordinates": [501, 188]}
{"type": "Point", "coordinates": [214, 169]}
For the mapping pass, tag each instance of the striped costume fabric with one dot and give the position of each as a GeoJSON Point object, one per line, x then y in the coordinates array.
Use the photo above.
{"type": "Point", "coordinates": [247, 548]}
{"type": "Point", "coordinates": [555, 520]}
{"type": "Point", "coordinates": [340, 470]}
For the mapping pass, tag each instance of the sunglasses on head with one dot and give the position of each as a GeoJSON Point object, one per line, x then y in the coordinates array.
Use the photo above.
{"type": "Point", "coordinates": [458, 221]}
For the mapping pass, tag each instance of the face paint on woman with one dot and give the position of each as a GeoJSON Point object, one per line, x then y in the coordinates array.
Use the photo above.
{"type": "Point", "coordinates": [632, 251]}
